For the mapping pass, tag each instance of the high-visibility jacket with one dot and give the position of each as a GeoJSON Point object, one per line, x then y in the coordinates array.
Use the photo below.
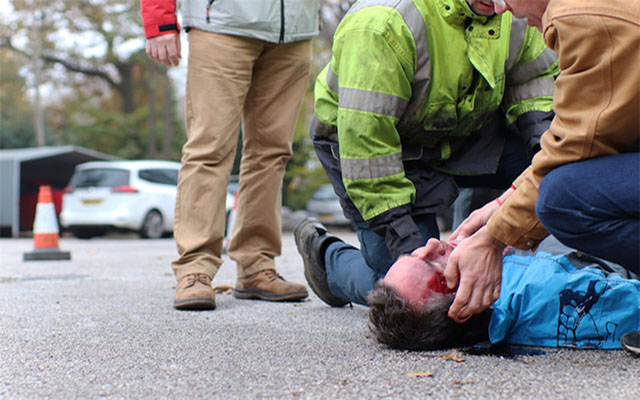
{"type": "Point", "coordinates": [425, 75]}
{"type": "Point", "coordinates": [282, 21]}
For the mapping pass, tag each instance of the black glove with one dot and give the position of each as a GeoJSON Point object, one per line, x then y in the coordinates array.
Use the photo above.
{"type": "Point", "coordinates": [401, 235]}
{"type": "Point", "coordinates": [530, 126]}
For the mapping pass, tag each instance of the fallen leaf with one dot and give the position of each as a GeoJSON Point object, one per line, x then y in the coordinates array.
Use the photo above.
{"type": "Point", "coordinates": [417, 374]}
{"type": "Point", "coordinates": [223, 289]}
{"type": "Point", "coordinates": [453, 356]}
{"type": "Point", "coordinates": [591, 364]}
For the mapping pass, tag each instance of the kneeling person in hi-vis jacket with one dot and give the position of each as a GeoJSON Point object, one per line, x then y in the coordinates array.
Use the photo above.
{"type": "Point", "coordinates": [420, 97]}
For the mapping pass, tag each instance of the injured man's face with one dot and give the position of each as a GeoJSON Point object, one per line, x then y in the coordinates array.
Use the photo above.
{"type": "Point", "coordinates": [408, 308]}
{"type": "Point", "coordinates": [417, 277]}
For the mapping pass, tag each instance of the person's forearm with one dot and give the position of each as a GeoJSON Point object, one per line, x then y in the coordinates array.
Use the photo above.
{"type": "Point", "coordinates": [504, 196]}
{"type": "Point", "coordinates": [159, 17]}
{"type": "Point", "coordinates": [590, 120]}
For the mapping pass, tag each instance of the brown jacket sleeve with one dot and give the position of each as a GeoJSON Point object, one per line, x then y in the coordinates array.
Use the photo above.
{"type": "Point", "coordinates": [596, 100]}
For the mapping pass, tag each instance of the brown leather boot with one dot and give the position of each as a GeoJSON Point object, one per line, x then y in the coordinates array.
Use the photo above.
{"type": "Point", "coordinates": [194, 292]}
{"type": "Point", "coordinates": [268, 285]}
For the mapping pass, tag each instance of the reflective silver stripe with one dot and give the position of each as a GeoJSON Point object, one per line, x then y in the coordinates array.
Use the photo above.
{"type": "Point", "coordinates": [369, 168]}
{"type": "Point", "coordinates": [516, 40]}
{"type": "Point", "coordinates": [420, 86]}
{"type": "Point", "coordinates": [415, 23]}
{"type": "Point", "coordinates": [375, 102]}
{"type": "Point", "coordinates": [368, 3]}
{"type": "Point", "coordinates": [409, 118]}
{"type": "Point", "coordinates": [332, 80]}
{"type": "Point", "coordinates": [535, 88]}
{"type": "Point", "coordinates": [523, 73]}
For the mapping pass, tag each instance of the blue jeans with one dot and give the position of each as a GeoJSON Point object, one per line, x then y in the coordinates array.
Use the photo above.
{"type": "Point", "coordinates": [594, 206]}
{"type": "Point", "coordinates": [352, 273]}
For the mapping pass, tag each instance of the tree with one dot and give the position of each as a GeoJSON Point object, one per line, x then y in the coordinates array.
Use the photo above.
{"type": "Point", "coordinates": [16, 125]}
{"type": "Point", "coordinates": [105, 85]}
{"type": "Point", "coordinates": [89, 116]}
{"type": "Point", "coordinates": [331, 13]}
{"type": "Point", "coordinates": [91, 38]}
{"type": "Point", "coordinates": [304, 173]}
{"type": "Point", "coordinates": [105, 94]}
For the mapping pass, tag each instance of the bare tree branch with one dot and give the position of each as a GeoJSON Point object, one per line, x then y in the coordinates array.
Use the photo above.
{"type": "Point", "coordinates": [86, 71]}
{"type": "Point", "coordinates": [6, 42]}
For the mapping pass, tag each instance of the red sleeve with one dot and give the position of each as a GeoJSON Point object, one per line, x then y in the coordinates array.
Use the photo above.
{"type": "Point", "coordinates": [159, 17]}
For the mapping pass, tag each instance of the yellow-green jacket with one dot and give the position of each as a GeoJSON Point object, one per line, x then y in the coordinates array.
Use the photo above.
{"type": "Point", "coordinates": [424, 74]}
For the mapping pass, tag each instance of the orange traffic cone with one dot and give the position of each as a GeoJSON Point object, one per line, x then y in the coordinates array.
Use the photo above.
{"type": "Point", "coordinates": [45, 230]}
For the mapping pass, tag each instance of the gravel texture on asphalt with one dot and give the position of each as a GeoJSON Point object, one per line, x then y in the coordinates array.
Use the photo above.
{"type": "Point", "coordinates": [102, 326]}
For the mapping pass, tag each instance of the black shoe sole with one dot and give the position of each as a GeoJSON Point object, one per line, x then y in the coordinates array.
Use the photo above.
{"type": "Point", "coordinates": [195, 304]}
{"type": "Point", "coordinates": [319, 285]}
{"type": "Point", "coordinates": [630, 341]}
{"type": "Point", "coordinates": [254, 294]}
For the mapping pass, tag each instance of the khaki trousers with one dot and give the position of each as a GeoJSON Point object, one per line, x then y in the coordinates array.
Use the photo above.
{"type": "Point", "coordinates": [232, 79]}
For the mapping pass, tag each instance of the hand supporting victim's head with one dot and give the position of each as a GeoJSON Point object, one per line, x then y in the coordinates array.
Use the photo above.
{"type": "Point", "coordinates": [409, 309]}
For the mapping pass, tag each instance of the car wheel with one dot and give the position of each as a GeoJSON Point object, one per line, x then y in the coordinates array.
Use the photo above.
{"type": "Point", "coordinates": [87, 233]}
{"type": "Point", "coordinates": [153, 226]}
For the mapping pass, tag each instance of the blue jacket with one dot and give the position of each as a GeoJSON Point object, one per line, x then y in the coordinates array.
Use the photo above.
{"type": "Point", "coordinates": [546, 300]}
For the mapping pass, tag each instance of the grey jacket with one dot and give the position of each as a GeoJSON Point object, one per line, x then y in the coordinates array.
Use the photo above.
{"type": "Point", "coordinates": [275, 21]}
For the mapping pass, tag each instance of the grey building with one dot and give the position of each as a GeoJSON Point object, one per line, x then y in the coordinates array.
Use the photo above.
{"type": "Point", "coordinates": [22, 171]}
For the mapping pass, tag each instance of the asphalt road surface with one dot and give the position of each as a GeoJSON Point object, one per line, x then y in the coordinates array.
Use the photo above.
{"type": "Point", "coordinates": [102, 326]}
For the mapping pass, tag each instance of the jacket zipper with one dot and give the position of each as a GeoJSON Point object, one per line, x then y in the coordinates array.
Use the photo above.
{"type": "Point", "coordinates": [208, 7]}
{"type": "Point", "coordinates": [281, 21]}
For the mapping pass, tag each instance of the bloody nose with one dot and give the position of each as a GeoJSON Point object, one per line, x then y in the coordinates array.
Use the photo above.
{"type": "Point", "coordinates": [438, 283]}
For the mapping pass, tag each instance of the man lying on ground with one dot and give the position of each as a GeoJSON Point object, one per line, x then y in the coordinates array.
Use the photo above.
{"type": "Point", "coordinates": [565, 299]}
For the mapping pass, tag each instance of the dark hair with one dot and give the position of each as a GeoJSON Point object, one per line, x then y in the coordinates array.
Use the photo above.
{"type": "Point", "coordinates": [398, 325]}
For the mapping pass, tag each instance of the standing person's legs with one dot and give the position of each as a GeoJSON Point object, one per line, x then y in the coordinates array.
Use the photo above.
{"type": "Point", "coordinates": [352, 273]}
{"type": "Point", "coordinates": [279, 80]}
{"type": "Point", "coordinates": [218, 78]}
{"type": "Point", "coordinates": [594, 206]}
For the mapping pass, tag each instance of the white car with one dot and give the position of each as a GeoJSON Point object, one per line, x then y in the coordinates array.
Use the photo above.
{"type": "Point", "coordinates": [134, 196]}
{"type": "Point", "coordinates": [324, 205]}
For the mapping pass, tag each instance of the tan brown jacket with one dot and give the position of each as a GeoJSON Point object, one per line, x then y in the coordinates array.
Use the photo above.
{"type": "Point", "coordinates": [596, 100]}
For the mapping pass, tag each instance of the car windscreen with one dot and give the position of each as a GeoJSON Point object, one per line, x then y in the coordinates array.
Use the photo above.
{"type": "Point", "coordinates": [160, 175]}
{"type": "Point", "coordinates": [99, 177]}
{"type": "Point", "coordinates": [324, 193]}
